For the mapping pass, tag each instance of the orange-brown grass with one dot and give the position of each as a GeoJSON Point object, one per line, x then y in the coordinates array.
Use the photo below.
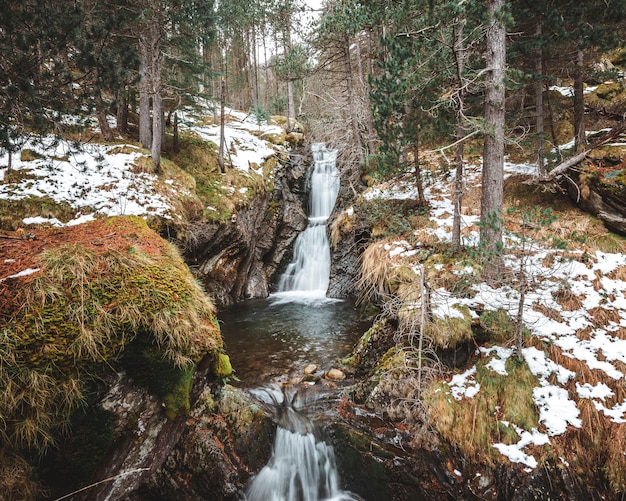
{"type": "Point", "coordinates": [551, 313]}
{"type": "Point", "coordinates": [567, 300]}
{"type": "Point", "coordinates": [376, 271]}
{"type": "Point", "coordinates": [474, 424]}
{"type": "Point", "coordinates": [598, 446]}
{"type": "Point", "coordinates": [618, 273]}
{"type": "Point", "coordinates": [603, 317]}
{"type": "Point", "coordinates": [619, 333]}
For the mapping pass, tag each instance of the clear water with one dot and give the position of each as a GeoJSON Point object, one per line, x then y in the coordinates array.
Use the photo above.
{"type": "Point", "coordinates": [274, 340]}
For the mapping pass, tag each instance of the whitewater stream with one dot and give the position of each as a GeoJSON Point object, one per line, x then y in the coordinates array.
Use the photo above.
{"type": "Point", "coordinates": [271, 341]}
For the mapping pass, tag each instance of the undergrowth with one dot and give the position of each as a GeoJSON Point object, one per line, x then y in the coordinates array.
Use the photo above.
{"type": "Point", "coordinates": [474, 424]}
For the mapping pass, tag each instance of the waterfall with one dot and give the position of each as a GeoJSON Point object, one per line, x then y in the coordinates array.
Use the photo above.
{"type": "Point", "coordinates": [302, 468]}
{"type": "Point", "coordinates": [309, 272]}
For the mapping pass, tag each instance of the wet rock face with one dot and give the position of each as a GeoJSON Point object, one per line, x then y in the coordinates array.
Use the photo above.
{"type": "Point", "coordinates": [223, 444]}
{"type": "Point", "coordinates": [348, 242]}
{"type": "Point", "coordinates": [236, 260]}
{"type": "Point", "coordinates": [209, 454]}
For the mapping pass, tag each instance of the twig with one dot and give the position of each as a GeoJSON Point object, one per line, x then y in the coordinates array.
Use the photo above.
{"type": "Point", "coordinates": [102, 481]}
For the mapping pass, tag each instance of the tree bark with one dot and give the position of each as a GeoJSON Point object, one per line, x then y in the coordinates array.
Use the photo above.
{"type": "Point", "coordinates": [145, 130]}
{"type": "Point", "coordinates": [220, 157]}
{"type": "Point", "coordinates": [351, 101]}
{"type": "Point", "coordinates": [579, 103]}
{"type": "Point", "coordinates": [105, 128]}
{"type": "Point", "coordinates": [157, 94]}
{"type": "Point", "coordinates": [122, 113]}
{"type": "Point", "coordinates": [493, 148]}
{"type": "Point", "coordinates": [459, 56]}
{"type": "Point", "coordinates": [541, 165]}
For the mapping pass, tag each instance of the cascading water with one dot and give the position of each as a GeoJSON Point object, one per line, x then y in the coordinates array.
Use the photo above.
{"type": "Point", "coordinates": [309, 272]}
{"type": "Point", "coordinates": [302, 468]}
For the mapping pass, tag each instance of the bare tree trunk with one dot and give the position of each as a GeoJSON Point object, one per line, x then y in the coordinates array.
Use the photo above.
{"type": "Point", "coordinates": [122, 112]}
{"type": "Point", "coordinates": [220, 158]}
{"type": "Point", "coordinates": [157, 94]}
{"type": "Point", "coordinates": [418, 170]}
{"type": "Point", "coordinates": [579, 103]}
{"type": "Point", "coordinates": [541, 165]}
{"type": "Point", "coordinates": [364, 92]}
{"type": "Point", "coordinates": [291, 112]}
{"type": "Point", "coordinates": [459, 56]}
{"type": "Point", "coordinates": [145, 130]}
{"type": "Point", "coordinates": [555, 139]}
{"type": "Point", "coordinates": [351, 101]}
{"type": "Point", "coordinates": [493, 148]}
{"type": "Point", "coordinates": [175, 145]}
{"type": "Point", "coordinates": [519, 321]}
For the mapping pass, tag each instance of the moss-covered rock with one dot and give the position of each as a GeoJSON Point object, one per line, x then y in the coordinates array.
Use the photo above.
{"type": "Point", "coordinates": [94, 289]}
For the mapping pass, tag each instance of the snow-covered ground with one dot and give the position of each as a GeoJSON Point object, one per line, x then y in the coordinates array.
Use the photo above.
{"type": "Point", "coordinates": [595, 278]}
{"type": "Point", "coordinates": [99, 180]}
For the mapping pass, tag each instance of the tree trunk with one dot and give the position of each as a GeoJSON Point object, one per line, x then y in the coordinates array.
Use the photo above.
{"type": "Point", "coordinates": [220, 158]}
{"type": "Point", "coordinates": [541, 165]}
{"type": "Point", "coordinates": [364, 91]}
{"type": "Point", "coordinates": [351, 101]}
{"type": "Point", "coordinates": [175, 144]}
{"type": "Point", "coordinates": [105, 128]}
{"type": "Point", "coordinates": [157, 94]}
{"type": "Point", "coordinates": [579, 103]}
{"type": "Point", "coordinates": [122, 113]}
{"type": "Point", "coordinates": [291, 112]}
{"type": "Point", "coordinates": [418, 170]}
{"type": "Point", "coordinates": [145, 130]}
{"type": "Point", "coordinates": [459, 56]}
{"type": "Point", "coordinates": [493, 148]}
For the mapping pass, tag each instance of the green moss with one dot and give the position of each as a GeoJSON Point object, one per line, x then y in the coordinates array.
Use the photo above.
{"type": "Point", "coordinates": [27, 155]}
{"type": "Point", "coordinates": [12, 212]}
{"type": "Point", "coordinates": [145, 365]}
{"type": "Point", "coordinates": [450, 331]}
{"type": "Point", "coordinates": [496, 327]}
{"type": "Point", "coordinates": [83, 310]}
{"type": "Point", "coordinates": [222, 367]}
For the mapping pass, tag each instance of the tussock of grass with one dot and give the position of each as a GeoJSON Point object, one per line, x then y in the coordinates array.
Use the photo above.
{"type": "Point", "coordinates": [475, 424]}
{"type": "Point", "coordinates": [376, 269]}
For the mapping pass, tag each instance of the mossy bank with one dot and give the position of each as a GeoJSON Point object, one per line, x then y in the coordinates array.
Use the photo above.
{"type": "Point", "coordinates": [79, 306]}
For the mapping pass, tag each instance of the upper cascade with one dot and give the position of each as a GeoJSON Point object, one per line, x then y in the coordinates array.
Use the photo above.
{"type": "Point", "coordinates": [309, 273]}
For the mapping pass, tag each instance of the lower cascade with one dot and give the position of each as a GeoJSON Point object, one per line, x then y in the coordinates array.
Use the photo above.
{"type": "Point", "coordinates": [309, 272]}
{"type": "Point", "coordinates": [302, 467]}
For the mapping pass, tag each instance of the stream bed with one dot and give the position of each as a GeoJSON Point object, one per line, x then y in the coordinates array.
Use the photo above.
{"type": "Point", "coordinates": [273, 340]}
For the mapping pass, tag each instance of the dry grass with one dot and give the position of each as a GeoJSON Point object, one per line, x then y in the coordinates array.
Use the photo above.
{"type": "Point", "coordinates": [567, 300]}
{"type": "Point", "coordinates": [551, 313]}
{"type": "Point", "coordinates": [603, 317]}
{"type": "Point", "coordinates": [618, 274]}
{"type": "Point", "coordinates": [343, 225]}
{"type": "Point", "coordinates": [82, 309]}
{"type": "Point", "coordinates": [376, 272]}
{"type": "Point", "coordinates": [473, 425]}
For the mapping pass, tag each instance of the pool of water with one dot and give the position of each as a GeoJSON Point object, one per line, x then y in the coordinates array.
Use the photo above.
{"type": "Point", "coordinates": [274, 339]}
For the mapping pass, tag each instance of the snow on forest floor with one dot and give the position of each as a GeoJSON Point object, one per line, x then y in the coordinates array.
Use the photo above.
{"type": "Point", "coordinates": [590, 329]}
{"type": "Point", "coordinates": [99, 180]}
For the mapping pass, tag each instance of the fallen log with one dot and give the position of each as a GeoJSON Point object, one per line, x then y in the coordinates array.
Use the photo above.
{"type": "Point", "coordinates": [564, 166]}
